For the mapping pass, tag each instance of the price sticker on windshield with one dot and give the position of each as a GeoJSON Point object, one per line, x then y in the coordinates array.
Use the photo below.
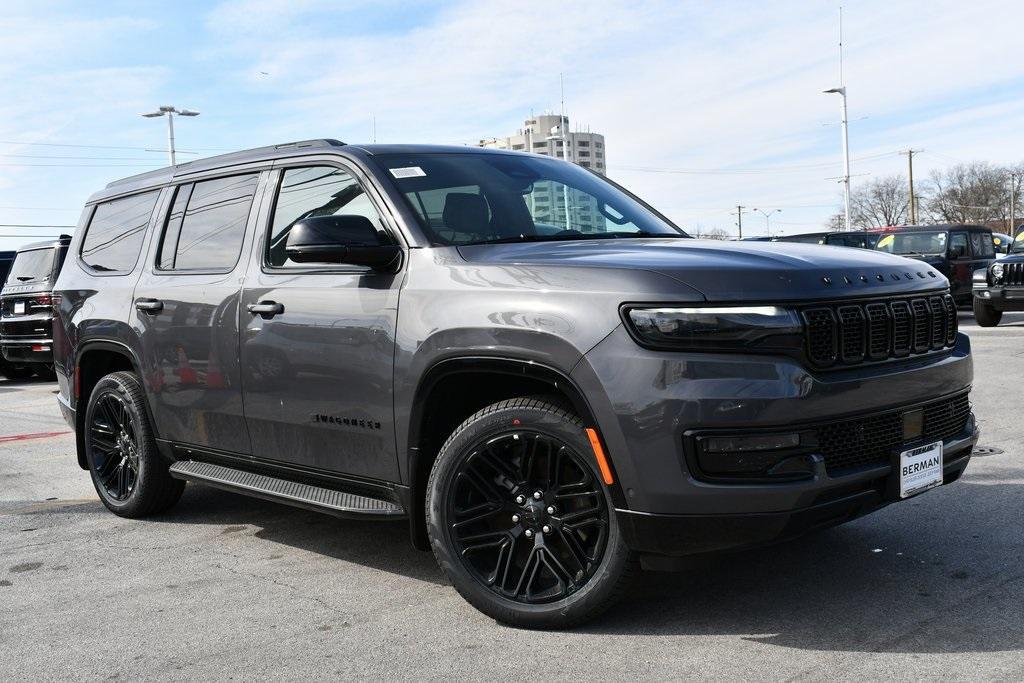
{"type": "Point", "coordinates": [408, 172]}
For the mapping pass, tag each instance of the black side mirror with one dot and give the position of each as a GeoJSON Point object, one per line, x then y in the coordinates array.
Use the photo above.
{"type": "Point", "coordinates": [347, 239]}
{"type": "Point", "coordinates": [957, 251]}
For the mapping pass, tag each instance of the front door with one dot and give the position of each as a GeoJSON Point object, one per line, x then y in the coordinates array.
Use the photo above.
{"type": "Point", "coordinates": [186, 311]}
{"type": "Point", "coordinates": [318, 341]}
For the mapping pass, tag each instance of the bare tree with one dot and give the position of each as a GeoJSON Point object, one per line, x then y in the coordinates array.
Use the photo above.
{"type": "Point", "coordinates": [716, 234]}
{"type": "Point", "coordinates": [836, 221]}
{"type": "Point", "coordinates": [880, 202]}
{"type": "Point", "coordinates": [978, 192]}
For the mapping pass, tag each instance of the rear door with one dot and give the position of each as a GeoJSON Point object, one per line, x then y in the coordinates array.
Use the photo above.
{"type": "Point", "coordinates": [318, 368]}
{"type": "Point", "coordinates": [186, 312]}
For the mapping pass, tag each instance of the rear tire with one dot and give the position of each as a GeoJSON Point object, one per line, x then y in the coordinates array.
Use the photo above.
{"type": "Point", "coordinates": [14, 372]}
{"type": "Point", "coordinates": [45, 371]}
{"type": "Point", "coordinates": [536, 562]}
{"type": "Point", "coordinates": [985, 315]}
{"type": "Point", "coordinates": [130, 477]}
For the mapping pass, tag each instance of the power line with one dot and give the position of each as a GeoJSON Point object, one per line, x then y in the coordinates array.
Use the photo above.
{"type": "Point", "coordinates": [32, 225]}
{"type": "Point", "coordinates": [730, 171]}
{"type": "Point", "coordinates": [83, 165]}
{"type": "Point", "coordinates": [137, 149]}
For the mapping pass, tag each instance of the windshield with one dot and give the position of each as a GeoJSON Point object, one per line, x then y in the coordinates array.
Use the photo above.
{"type": "Point", "coordinates": [479, 198]}
{"type": "Point", "coordinates": [31, 266]}
{"type": "Point", "coordinates": [912, 243]}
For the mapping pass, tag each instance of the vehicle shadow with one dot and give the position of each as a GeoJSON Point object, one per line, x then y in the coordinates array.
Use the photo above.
{"type": "Point", "coordinates": [928, 578]}
{"type": "Point", "coordinates": [377, 545]}
{"type": "Point", "coordinates": [941, 574]}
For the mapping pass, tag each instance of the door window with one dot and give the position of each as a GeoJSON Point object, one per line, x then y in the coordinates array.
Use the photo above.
{"type": "Point", "coordinates": [114, 237]}
{"type": "Point", "coordinates": [206, 226]}
{"type": "Point", "coordinates": [314, 191]}
{"type": "Point", "coordinates": [982, 245]}
{"type": "Point", "coordinates": [958, 242]}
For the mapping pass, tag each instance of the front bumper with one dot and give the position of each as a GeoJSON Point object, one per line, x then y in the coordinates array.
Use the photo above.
{"type": "Point", "coordinates": [646, 402]}
{"type": "Point", "coordinates": [1000, 298]}
{"type": "Point", "coordinates": [669, 536]}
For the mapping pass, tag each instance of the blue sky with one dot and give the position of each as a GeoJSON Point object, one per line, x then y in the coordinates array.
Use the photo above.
{"type": "Point", "coordinates": [704, 105]}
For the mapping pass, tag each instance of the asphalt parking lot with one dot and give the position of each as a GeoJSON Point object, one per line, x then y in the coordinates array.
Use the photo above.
{"type": "Point", "coordinates": [230, 587]}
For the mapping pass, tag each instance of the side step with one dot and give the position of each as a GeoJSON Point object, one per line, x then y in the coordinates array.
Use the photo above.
{"type": "Point", "coordinates": [316, 498]}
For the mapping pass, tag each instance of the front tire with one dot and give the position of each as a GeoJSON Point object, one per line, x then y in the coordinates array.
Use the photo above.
{"type": "Point", "coordinates": [520, 520]}
{"type": "Point", "coordinates": [986, 315]}
{"type": "Point", "coordinates": [130, 477]}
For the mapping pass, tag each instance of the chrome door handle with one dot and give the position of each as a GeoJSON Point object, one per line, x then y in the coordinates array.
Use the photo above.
{"type": "Point", "coordinates": [149, 305]}
{"type": "Point", "coordinates": [266, 309]}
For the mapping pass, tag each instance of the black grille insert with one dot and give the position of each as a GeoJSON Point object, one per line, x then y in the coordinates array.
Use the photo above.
{"type": "Point", "coordinates": [851, 333]}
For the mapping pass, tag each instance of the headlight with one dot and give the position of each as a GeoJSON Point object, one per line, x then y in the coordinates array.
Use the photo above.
{"type": "Point", "coordinates": [717, 328]}
{"type": "Point", "coordinates": [997, 272]}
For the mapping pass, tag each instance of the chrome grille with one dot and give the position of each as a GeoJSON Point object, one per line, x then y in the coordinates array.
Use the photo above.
{"type": "Point", "coordinates": [856, 332]}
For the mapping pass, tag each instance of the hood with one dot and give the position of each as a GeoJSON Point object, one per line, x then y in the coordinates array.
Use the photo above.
{"type": "Point", "coordinates": [732, 271]}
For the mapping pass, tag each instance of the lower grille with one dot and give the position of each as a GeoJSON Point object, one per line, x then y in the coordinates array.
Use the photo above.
{"type": "Point", "coordinates": [870, 441]}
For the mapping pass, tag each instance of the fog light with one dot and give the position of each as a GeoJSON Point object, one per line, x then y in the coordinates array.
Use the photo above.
{"type": "Point", "coordinates": [986, 294]}
{"type": "Point", "coordinates": [747, 444]}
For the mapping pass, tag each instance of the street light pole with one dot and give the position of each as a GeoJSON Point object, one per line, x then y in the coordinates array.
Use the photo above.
{"type": "Point", "coordinates": [767, 215]}
{"type": "Point", "coordinates": [846, 156]}
{"type": "Point", "coordinates": [169, 112]}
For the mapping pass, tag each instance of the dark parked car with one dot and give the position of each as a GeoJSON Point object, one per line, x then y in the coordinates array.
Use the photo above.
{"type": "Point", "coordinates": [1000, 287]}
{"type": "Point", "coordinates": [7, 368]}
{"type": "Point", "coordinates": [548, 379]}
{"type": "Point", "coordinates": [803, 238]}
{"type": "Point", "coordinates": [956, 251]}
{"type": "Point", "coordinates": [26, 306]}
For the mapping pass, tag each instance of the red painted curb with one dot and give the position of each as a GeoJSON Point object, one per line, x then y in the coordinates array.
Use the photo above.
{"type": "Point", "coordinates": [26, 437]}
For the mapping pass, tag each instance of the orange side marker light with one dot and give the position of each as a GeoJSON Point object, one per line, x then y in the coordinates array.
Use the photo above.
{"type": "Point", "coordinates": [602, 459]}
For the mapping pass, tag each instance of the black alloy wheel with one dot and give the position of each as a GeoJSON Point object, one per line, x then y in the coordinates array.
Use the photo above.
{"type": "Point", "coordinates": [520, 519]}
{"type": "Point", "coordinates": [528, 517]}
{"type": "Point", "coordinates": [130, 476]}
{"type": "Point", "coordinates": [114, 445]}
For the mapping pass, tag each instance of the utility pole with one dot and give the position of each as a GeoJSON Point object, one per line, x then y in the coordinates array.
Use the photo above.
{"type": "Point", "coordinates": [910, 174]}
{"type": "Point", "coordinates": [1013, 204]}
{"type": "Point", "coordinates": [739, 219]}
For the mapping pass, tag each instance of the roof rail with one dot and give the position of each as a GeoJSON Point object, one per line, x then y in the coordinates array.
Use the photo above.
{"type": "Point", "coordinates": [240, 156]}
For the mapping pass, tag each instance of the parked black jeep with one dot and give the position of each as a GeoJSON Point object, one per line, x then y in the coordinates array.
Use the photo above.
{"type": "Point", "coordinates": [26, 307]}
{"type": "Point", "coordinates": [1000, 287]}
{"type": "Point", "coordinates": [538, 371]}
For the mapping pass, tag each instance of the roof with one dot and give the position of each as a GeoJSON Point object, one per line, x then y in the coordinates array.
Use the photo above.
{"type": "Point", "coordinates": [63, 240]}
{"type": "Point", "coordinates": [929, 228]}
{"type": "Point", "coordinates": [246, 156]}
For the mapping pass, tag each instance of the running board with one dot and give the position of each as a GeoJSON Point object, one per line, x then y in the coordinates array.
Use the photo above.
{"type": "Point", "coordinates": [339, 503]}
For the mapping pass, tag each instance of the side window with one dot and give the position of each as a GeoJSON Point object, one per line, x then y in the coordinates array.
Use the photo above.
{"type": "Point", "coordinates": [982, 245]}
{"type": "Point", "coordinates": [206, 226]}
{"type": "Point", "coordinates": [314, 191]}
{"type": "Point", "coordinates": [958, 242]}
{"type": "Point", "coordinates": [114, 237]}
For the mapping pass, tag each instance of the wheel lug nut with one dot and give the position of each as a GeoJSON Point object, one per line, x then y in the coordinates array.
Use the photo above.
{"type": "Point", "coordinates": [515, 518]}
{"type": "Point", "coordinates": [546, 529]}
{"type": "Point", "coordinates": [529, 533]}
{"type": "Point", "coordinates": [537, 495]}
{"type": "Point", "coordinates": [551, 509]}
{"type": "Point", "coordinates": [520, 500]}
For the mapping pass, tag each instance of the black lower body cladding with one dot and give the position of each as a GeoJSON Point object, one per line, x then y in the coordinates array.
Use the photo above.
{"type": "Point", "coordinates": [656, 402]}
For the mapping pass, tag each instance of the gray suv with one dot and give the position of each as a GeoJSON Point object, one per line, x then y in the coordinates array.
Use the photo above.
{"type": "Point", "coordinates": [552, 383]}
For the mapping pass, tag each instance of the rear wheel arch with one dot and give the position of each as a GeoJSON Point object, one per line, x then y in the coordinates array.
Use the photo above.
{"type": "Point", "coordinates": [94, 361]}
{"type": "Point", "coordinates": [453, 390]}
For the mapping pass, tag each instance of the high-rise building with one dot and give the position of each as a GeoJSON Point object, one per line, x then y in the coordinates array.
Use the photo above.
{"type": "Point", "coordinates": [549, 202]}
{"type": "Point", "coordinates": [544, 135]}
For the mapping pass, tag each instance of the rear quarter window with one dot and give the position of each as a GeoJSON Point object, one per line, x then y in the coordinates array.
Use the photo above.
{"type": "Point", "coordinates": [115, 234]}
